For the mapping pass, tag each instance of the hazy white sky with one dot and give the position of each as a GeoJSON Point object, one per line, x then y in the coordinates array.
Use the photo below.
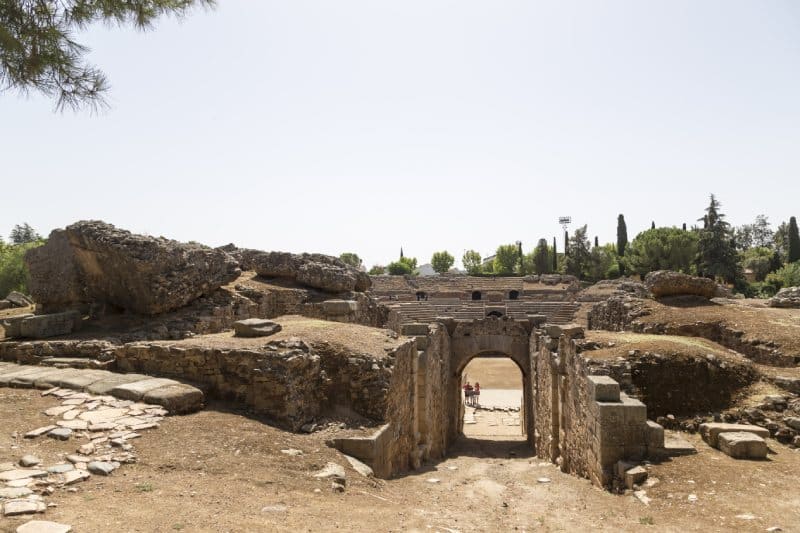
{"type": "Point", "coordinates": [364, 126]}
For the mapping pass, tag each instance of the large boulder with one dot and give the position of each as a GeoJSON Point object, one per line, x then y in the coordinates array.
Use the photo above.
{"type": "Point", "coordinates": [18, 299]}
{"type": "Point", "coordinates": [788, 297]}
{"type": "Point", "coordinates": [668, 283]}
{"type": "Point", "coordinates": [94, 262]}
{"type": "Point", "coordinates": [319, 271]}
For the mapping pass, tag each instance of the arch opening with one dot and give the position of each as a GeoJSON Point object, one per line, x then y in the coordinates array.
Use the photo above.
{"type": "Point", "coordinates": [422, 296]}
{"type": "Point", "coordinates": [495, 414]}
{"type": "Point", "coordinates": [476, 295]}
{"type": "Point", "coordinates": [495, 314]}
{"type": "Point", "coordinates": [513, 295]}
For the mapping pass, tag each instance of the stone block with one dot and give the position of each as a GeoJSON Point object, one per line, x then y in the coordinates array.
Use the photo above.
{"type": "Point", "coordinates": [414, 329]}
{"type": "Point", "coordinates": [177, 399]}
{"type": "Point", "coordinates": [712, 430]}
{"type": "Point", "coordinates": [136, 390]}
{"type": "Point", "coordinates": [12, 325]}
{"type": "Point", "coordinates": [742, 445]}
{"type": "Point", "coordinates": [603, 389]}
{"type": "Point", "coordinates": [635, 476]}
{"type": "Point", "coordinates": [572, 331]}
{"type": "Point", "coordinates": [339, 307]}
{"type": "Point", "coordinates": [635, 412]}
{"type": "Point", "coordinates": [255, 327]}
{"type": "Point", "coordinates": [43, 326]}
{"type": "Point", "coordinates": [655, 437]}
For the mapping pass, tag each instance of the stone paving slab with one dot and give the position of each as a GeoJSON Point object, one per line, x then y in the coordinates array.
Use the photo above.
{"type": "Point", "coordinates": [174, 396]}
{"type": "Point", "coordinates": [104, 386]}
{"type": "Point", "coordinates": [136, 390]}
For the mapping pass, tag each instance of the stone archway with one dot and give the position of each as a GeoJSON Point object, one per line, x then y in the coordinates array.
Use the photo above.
{"type": "Point", "coordinates": [497, 337]}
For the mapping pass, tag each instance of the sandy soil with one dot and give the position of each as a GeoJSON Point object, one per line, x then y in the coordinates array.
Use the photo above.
{"type": "Point", "coordinates": [224, 472]}
{"type": "Point", "coordinates": [494, 373]}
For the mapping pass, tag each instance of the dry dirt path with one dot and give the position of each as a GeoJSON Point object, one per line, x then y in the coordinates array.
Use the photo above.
{"type": "Point", "coordinates": [220, 471]}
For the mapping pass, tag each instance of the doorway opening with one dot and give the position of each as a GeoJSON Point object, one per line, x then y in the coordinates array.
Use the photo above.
{"type": "Point", "coordinates": [495, 413]}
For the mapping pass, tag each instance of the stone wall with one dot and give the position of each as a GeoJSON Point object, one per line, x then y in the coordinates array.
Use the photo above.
{"type": "Point", "coordinates": [290, 382]}
{"type": "Point", "coordinates": [583, 422]}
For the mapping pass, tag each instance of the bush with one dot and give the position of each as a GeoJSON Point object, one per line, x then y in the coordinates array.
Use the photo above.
{"type": "Point", "coordinates": [13, 274]}
{"type": "Point", "coordinates": [788, 276]}
{"type": "Point", "coordinates": [399, 268]}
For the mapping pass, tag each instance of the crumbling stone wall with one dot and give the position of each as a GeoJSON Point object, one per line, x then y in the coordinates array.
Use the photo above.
{"type": "Point", "coordinates": [678, 385]}
{"type": "Point", "coordinates": [290, 382]}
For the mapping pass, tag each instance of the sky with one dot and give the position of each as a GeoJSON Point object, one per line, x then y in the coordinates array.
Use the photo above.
{"type": "Point", "coordinates": [364, 126]}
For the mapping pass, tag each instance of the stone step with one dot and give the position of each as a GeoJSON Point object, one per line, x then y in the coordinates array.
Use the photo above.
{"type": "Point", "coordinates": [176, 397]}
{"type": "Point", "coordinates": [76, 362]}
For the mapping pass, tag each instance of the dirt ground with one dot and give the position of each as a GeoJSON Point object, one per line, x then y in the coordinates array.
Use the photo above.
{"type": "Point", "coordinates": [221, 471]}
{"type": "Point", "coordinates": [781, 326]}
{"type": "Point", "coordinates": [494, 373]}
{"type": "Point", "coordinates": [351, 337]}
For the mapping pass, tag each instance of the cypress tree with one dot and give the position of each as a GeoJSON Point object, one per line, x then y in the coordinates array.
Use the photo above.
{"type": "Point", "coordinates": [555, 256]}
{"type": "Point", "coordinates": [596, 242]}
{"type": "Point", "coordinates": [653, 225]}
{"type": "Point", "coordinates": [622, 236]}
{"type": "Point", "coordinates": [566, 243]}
{"type": "Point", "coordinates": [684, 226]}
{"type": "Point", "coordinates": [794, 241]}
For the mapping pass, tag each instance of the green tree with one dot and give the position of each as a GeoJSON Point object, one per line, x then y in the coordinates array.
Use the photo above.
{"type": "Point", "coordinates": [717, 257]}
{"type": "Point", "coordinates": [780, 240]}
{"type": "Point", "coordinates": [399, 268]}
{"type": "Point", "coordinates": [472, 262]}
{"type": "Point", "coordinates": [555, 256]}
{"type": "Point", "coordinates": [577, 262]}
{"type": "Point", "coordinates": [542, 264]}
{"type": "Point", "coordinates": [601, 260]}
{"type": "Point", "coordinates": [506, 259]}
{"type": "Point", "coordinates": [377, 270]}
{"type": "Point", "coordinates": [24, 233]}
{"type": "Point", "coordinates": [13, 273]}
{"type": "Point", "coordinates": [755, 235]}
{"type": "Point", "coordinates": [761, 261]}
{"type": "Point", "coordinates": [793, 249]}
{"type": "Point", "coordinates": [662, 249]}
{"type": "Point", "coordinates": [622, 235]}
{"type": "Point", "coordinates": [38, 50]}
{"type": "Point", "coordinates": [352, 259]}
{"type": "Point", "coordinates": [442, 261]}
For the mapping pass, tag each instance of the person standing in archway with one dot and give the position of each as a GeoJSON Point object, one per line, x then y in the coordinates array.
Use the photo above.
{"type": "Point", "coordinates": [476, 395]}
{"type": "Point", "coordinates": [468, 393]}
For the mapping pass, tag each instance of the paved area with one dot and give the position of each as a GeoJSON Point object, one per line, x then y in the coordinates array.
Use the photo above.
{"type": "Point", "coordinates": [177, 398]}
{"type": "Point", "coordinates": [103, 412]}
{"type": "Point", "coordinates": [103, 429]}
{"type": "Point", "coordinates": [497, 414]}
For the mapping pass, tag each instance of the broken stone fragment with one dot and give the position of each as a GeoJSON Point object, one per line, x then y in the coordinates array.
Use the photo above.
{"type": "Point", "coordinates": [13, 475]}
{"type": "Point", "coordinates": [60, 433]}
{"type": "Point", "coordinates": [18, 507]}
{"type": "Point", "coordinates": [39, 431]}
{"type": "Point", "coordinates": [255, 327]}
{"type": "Point", "coordinates": [332, 471]}
{"type": "Point", "coordinates": [43, 526]}
{"type": "Point", "coordinates": [102, 468]}
{"type": "Point", "coordinates": [29, 460]}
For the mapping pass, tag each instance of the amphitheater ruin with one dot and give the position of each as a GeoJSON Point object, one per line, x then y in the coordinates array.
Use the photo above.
{"type": "Point", "coordinates": [165, 327]}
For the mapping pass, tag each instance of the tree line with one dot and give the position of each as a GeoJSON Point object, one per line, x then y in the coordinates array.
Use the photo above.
{"type": "Point", "coordinates": [753, 258]}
